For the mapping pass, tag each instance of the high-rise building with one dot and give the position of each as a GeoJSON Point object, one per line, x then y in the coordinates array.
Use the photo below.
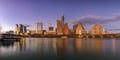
{"type": "Point", "coordinates": [39, 27]}
{"type": "Point", "coordinates": [66, 29]}
{"type": "Point", "coordinates": [16, 29]}
{"type": "Point", "coordinates": [74, 28]}
{"type": "Point", "coordinates": [50, 29]}
{"type": "Point", "coordinates": [79, 29]}
{"type": "Point", "coordinates": [20, 28]}
{"type": "Point", "coordinates": [71, 32]}
{"type": "Point", "coordinates": [59, 27]}
{"type": "Point", "coordinates": [62, 18]}
{"type": "Point", "coordinates": [97, 29]}
{"type": "Point", "coordinates": [24, 29]}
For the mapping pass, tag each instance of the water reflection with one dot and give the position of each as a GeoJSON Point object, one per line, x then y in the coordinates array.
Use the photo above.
{"type": "Point", "coordinates": [6, 43]}
{"type": "Point", "coordinates": [80, 45]}
{"type": "Point", "coordinates": [62, 49]}
{"type": "Point", "coordinates": [97, 45]}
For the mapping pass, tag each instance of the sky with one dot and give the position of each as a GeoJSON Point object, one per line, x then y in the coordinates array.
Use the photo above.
{"type": "Point", "coordinates": [89, 12]}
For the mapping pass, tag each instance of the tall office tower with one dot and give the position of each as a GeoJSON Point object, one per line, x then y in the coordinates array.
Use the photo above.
{"type": "Point", "coordinates": [59, 27]}
{"type": "Point", "coordinates": [74, 28]}
{"type": "Point", "coordinates": [62, 18]}
{"type": "Point", "coordinates": [20, 28]}
{"type": "Point", "coordinates": [66, 29]}
{"type": "Point", "coordinates": [79, 28]}
{"type": "Point", "coordinates": [97, 29]}
{"type": "Point", "coordinates": [24, 29]}
{"type": "Point", "coordinates": [39, 27]}
{"type": "Point", "coordinates": [16, 29]}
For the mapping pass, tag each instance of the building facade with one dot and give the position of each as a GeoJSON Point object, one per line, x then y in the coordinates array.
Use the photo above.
{"type": "Point", "coordinates": [20, 29]}
{"type": "Point", "coordinates": [66, 29]}
{"type": "Point", "coordinates": [39, 28]}
{"type": "Point", "coordinates": [97, 29]}
{"type": "Point", "coordinates": [79, 29]}
{"type": "Point", "coordinates": [59, 27]}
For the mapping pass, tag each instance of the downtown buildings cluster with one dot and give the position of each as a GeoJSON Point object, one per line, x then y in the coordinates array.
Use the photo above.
{"type": "Point", "coordinates": [61, 29]}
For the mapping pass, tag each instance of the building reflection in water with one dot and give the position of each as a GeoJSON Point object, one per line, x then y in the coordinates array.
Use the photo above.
{"type": "Point", "coordinates": [60, 48]}
{"type": "Point", "coordinates": [7, 48]}
{"type": "Point", "coordinates": [113, 46]}
{"type": "Point", "coordinates": [97, 45]}
{"type": "Point", "coordinates": [80, 45]}
{"type": "Point", "coordinates": [44, 46]}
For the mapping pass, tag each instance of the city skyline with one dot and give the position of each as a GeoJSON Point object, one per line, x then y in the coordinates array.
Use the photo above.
{"type": "Point", "coordinates": [88, 12]}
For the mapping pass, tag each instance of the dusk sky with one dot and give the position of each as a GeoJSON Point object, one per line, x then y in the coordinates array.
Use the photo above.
{"type": "Point", "coordinates": [89, 12]}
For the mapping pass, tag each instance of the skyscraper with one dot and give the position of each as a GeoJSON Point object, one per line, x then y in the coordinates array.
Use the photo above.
{"type": "Point", "coordinates": [74, 28]}
{"type": "Point", "coordinates": [66, 29]}
{"type": "Point", "coordinates": [16, 29]}
{"type": "Point", "coordinates": [24, 29]}
{"type": "Point", "coordinates": [62, 18]}
{"type": "Point", "coordinates": [97, 29]}
{"type": "Point", "coordinates": [39, 27]}
{"type": "Point", "coordinates": [20, 28]}
{"type": "Point", "coordinates": [79, 28]}
{"type": "Point", "coordinates": [59, 27]}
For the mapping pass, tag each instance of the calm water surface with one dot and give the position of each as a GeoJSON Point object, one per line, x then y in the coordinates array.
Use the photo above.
{"type": "Point", "coordinates": [60, 49]}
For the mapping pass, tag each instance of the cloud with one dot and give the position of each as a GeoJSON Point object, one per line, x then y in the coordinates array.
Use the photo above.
{"type": "Point", "coordinates": [90, 20]}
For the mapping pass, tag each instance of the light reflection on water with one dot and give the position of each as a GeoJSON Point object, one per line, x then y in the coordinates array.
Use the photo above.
{"type": "Point", "coordinates": [61, 49]}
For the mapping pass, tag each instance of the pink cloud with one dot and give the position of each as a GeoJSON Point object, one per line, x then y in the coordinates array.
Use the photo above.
{"type": "Point", "coordinates": [89, 20]}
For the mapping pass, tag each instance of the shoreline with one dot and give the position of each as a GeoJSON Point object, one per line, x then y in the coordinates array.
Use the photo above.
{"type": "Point", "coordinates": [73, 36]}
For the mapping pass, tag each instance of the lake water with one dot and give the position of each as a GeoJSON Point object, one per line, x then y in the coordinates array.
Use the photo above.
{"type": "Point", "coordinates": [61, 49]}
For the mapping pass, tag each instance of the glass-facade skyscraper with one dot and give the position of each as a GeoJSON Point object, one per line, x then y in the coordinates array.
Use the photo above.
{"type": "Point", "coordinates": [39, 27]}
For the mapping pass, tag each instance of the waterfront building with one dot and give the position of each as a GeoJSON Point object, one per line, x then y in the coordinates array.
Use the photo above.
{"type": "Point", "coordinates": [97, 29]}
{"type": "Point", "coordinates": [20, 29]}
{"type": "Point", "coordinates": [71, 32]}
{"type": "Point", "coordinates": [16, 29]}
{"type": "Point", "coordinates": [79, 29]}
{"type": "Point", "coordinates": [66, 29]}
{"type": "Point", "coordinates": [39, 28]}
{"type": "Point", "coordinates": [24, 29]}
{"type": "Point", "coordinates": [62, 19]}
{"type": "Point", "coordinates": [59, 27]}
{"type": "Point", "coordinates": [33, 32]}
{"type": "Point", "coordinates": [9, 32]}
{"type": "Point", "coordinates": [74, 28]}
{"type": "Point", "coordinates": [51, 30]}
